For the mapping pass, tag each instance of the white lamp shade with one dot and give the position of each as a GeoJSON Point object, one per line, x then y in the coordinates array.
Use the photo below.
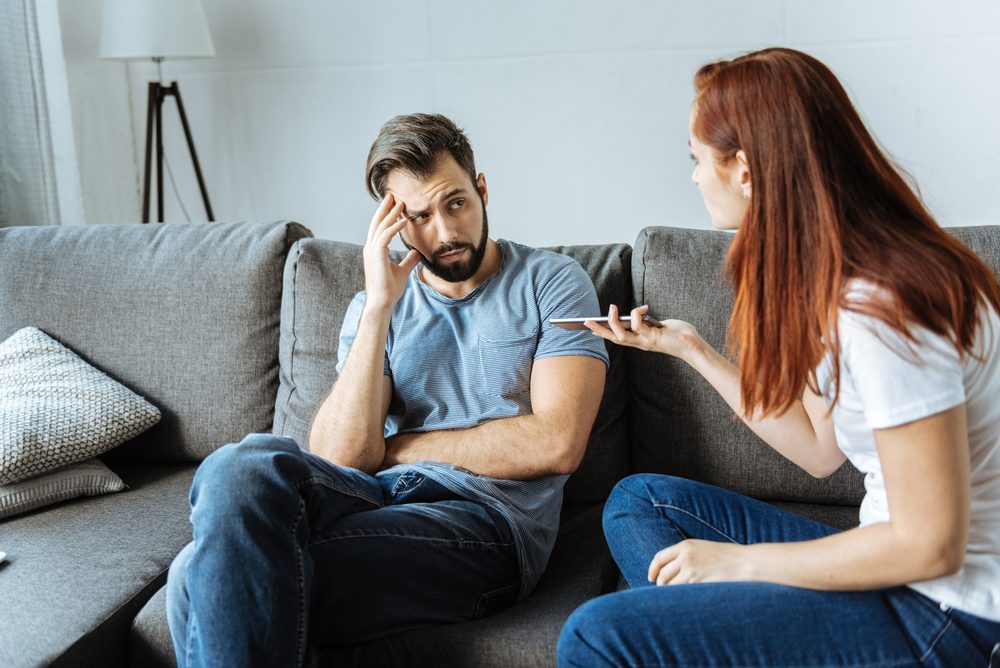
{"type": "Point", "coordinates": [143, 29]}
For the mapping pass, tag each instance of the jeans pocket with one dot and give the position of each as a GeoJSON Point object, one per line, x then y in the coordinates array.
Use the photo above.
{"type": "Point", "coordinates": [506, 365]}
{"type": "Point", "coordinates": [407, 482]}
{"type": "Point", "coordinates": [494, 601]}
{"type": "Point", "coordinates": [995, 656]}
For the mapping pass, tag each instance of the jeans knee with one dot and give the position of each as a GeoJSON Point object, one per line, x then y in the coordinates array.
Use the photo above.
{"type": "Point", "coordinates": [580, 639]}
{"type": "Point", "coordinates": [176, 587]}
{"type": "Point", "coordinates": [246, 473]}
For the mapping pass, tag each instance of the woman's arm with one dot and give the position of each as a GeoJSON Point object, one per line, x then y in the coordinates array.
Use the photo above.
{"type": "Point", "coordinates": [804, 434]}
{"type": "Point", "coordinates": [926, 468]}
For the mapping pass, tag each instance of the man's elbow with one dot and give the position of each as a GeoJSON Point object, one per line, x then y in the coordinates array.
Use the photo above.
{"type": "Point", "coordinates": [568, 454]}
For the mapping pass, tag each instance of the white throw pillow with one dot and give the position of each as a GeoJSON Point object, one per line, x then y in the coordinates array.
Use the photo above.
{"type": "Point", "coordinates": [57, 410]}
{"type": "Point", "coordinates": [90, 478]}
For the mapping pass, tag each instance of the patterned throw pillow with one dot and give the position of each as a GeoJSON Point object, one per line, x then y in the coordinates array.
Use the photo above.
{"type": "Point", "coordinates": [56, 410]}
{"type": "Point", "coordinates": [90, 478]}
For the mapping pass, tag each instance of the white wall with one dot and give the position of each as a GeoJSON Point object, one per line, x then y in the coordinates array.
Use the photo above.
{"type": "Point", "coordinates": [577, 109]}
{"type": "Point", "coordinates": [102, 119]}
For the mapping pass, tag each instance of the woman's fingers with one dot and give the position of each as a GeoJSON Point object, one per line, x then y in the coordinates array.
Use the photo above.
{"type": "Point", "coordinates": [615, 325]}
{"type": "Point", "coordinates": [638, 324]}
{"type": "Point", "coordinates": [664, 567]}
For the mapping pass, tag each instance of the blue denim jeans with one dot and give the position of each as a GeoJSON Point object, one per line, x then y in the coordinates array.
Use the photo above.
{"type": "Point", "coordinates": [750, 623]}
{"type": "Point", "coordinates": [290, 549]}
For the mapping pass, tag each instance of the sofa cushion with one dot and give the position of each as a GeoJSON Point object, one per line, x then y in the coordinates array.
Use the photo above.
{"type": "Point", "coordinates": [88, 478]}
{"type": "Point", "coordinates": [186, 315]}
{"type": "Point", "coordinates": [76, 574]}
{"type": "Point", "coordinates": [57, 410]}
{"type": "Point", "coordinates": [681, 426]}
{"type": "Point", "coordinates": [606, 460]}
{"type": "Point", "coordinates": [322, 276]}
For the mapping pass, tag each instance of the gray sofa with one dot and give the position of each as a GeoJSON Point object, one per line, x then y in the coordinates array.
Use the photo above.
{"type": "Point", "coordinates": [232, 328]}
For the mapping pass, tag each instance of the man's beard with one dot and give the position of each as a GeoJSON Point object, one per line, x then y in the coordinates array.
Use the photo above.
{"type": "Point", "coordinates": [462, 270]}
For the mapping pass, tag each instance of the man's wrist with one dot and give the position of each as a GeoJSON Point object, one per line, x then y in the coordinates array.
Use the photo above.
{"type": "Point", "coordinates": [377, 309]}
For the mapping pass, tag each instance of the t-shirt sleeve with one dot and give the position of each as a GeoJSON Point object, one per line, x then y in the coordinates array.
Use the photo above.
{"type": "Point", "coordinates": [568, 293]}
{"type": "Point", "coordinates": [898, 380]}
{"type": "Point", "coordinates": [349, 329]}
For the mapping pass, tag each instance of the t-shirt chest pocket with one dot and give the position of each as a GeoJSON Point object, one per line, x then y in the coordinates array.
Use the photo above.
{"type": "Point", "coordinates": [505, 364]}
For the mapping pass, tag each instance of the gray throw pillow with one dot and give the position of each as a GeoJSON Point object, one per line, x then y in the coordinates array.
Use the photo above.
{"type": "Point", "coordinates": [90, 478]}
{"type": "Point", "coordinates": [57, 410]}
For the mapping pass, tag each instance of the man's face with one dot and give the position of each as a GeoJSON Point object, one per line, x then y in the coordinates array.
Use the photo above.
{"type": "Point", "coordinates": [447, 214]}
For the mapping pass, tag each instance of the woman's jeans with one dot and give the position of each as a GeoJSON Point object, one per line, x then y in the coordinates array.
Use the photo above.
{"type": "Point", "coordinates": [750, 623]}
{"type": "Point", "coordinates": [290, 549]}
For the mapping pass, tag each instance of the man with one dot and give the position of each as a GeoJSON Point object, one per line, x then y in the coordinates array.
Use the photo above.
{"type": "Point", "coordinates": [434, 483]}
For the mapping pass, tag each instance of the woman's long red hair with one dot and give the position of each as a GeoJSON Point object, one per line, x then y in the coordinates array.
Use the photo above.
{"type": "Point", "coordinates": [828, 206]}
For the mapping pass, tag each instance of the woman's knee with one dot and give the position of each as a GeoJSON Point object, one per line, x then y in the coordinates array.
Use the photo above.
{"type": "Point", "coordinates": [585, 635]}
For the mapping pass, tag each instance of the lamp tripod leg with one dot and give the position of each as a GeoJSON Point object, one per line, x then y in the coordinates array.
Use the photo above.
{"type": "Point", "coordinates": [194, 154]}
{"type": "Point", "coordinates": [150, 112]}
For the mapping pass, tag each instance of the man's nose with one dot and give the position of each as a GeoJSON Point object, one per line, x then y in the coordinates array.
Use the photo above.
{"type": "Point", "coordinates": [445, 227]}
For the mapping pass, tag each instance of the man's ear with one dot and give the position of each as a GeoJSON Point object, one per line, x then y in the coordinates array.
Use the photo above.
{"type": "Point", "coordinates": [481, 187]}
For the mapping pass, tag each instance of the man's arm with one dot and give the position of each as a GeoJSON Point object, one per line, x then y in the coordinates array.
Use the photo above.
{"type": "Point", "coordinates": [565, 395]}
{"type": "Point", "coordinates": [349, 427]}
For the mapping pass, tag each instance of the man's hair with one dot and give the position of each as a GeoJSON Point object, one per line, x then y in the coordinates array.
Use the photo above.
{"type": "Point", "coordinates": [415, 143]}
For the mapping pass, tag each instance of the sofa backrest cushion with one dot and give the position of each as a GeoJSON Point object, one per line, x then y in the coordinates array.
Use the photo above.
{"type": "Point", "coordinates": [186, 315]}
{"type": "Point", "coordinates": [681, 426]}
{"type": "Point", "coordinates": [322, 276]}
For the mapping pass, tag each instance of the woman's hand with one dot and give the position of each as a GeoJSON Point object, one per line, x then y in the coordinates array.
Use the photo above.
{"type": "Point", "coordinates": [675, 337]}
{"type": "Point", "coordinates": [692, 561]}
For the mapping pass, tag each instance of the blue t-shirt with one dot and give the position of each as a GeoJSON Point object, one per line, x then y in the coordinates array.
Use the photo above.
{"type": "Point", "coordinates": [456, 363]}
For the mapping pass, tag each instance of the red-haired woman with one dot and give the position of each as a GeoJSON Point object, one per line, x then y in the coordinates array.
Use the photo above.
{"type": "Point", "coordinates": [863, 331]}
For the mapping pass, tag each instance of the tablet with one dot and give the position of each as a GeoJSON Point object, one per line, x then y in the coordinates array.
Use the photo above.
{"type": "Point", "coordinates": [577, 323]}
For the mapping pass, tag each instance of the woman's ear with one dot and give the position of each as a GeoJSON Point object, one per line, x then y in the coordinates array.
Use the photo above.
{"type": "Point", "coordinates": [742, 169]}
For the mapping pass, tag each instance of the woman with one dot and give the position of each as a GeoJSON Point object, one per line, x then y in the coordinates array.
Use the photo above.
{"type": "Point", "coordinates": [862, 331]}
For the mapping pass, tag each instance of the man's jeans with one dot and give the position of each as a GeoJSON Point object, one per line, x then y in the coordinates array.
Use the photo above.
{"type": "Point", "coordinates": [750, 623]}
{"type": "Point", "coordinates": [289, 548]}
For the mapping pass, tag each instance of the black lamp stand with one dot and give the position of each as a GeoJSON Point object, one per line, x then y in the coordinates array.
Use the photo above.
{"type": "Point", "coordinates": [154, 112]}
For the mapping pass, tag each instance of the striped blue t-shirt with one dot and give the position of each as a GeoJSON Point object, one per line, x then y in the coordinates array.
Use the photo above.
{"type": "Point", "coordinates": [456, 363]}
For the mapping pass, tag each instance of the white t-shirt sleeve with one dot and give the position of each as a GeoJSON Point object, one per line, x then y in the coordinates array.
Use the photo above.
{"type": "Point", "coordinates": [898, 380]}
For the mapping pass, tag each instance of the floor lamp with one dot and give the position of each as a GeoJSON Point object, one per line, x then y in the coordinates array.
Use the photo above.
{"type": "Point", "coordinates": [156, 30]}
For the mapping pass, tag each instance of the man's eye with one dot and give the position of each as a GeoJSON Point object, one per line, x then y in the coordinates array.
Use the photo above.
{"type": "Point", "coordinates": [457, 204]}
{"type": "Point", "coordinates": [420, 218]}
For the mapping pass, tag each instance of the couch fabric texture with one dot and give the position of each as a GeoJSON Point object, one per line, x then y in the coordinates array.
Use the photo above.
{"type": "Point", "coordinates": [221, 333]}
{"type": "Point", "coordinates": [186, 315]}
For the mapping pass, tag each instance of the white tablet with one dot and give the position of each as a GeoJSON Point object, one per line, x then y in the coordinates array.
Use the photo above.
{"type": "Point", "coordinates": [577, 323]}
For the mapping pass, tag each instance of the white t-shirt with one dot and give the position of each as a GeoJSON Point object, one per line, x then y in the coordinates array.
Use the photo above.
{"type": "Point", "coordinates": [887, 381]}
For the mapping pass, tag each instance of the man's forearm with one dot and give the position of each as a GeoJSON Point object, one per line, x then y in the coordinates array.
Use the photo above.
{"type": "Point", "coordinates": [348, 428]}
{"type": "Point", "coordinates": [516, 448]}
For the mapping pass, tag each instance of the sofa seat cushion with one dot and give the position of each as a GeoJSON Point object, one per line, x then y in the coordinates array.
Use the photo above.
{"type": "Point", "coordinates": [524, 635]}
{"type": "Point", "coordinates": [77, 573]}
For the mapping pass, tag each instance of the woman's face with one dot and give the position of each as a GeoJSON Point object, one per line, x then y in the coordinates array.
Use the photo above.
{"type": "Point", "coordinates": [722, 185]}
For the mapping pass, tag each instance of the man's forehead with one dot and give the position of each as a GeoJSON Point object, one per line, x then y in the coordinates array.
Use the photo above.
{"type": "Point", "coordinates": [417, 192]}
